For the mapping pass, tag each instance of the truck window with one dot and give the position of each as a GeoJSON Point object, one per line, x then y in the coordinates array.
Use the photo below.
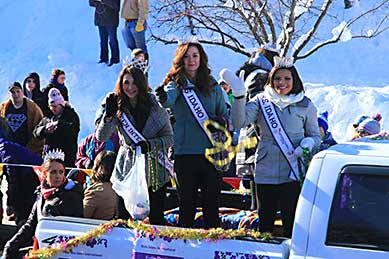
{"type": "Point", "coordinates": [360, 209]}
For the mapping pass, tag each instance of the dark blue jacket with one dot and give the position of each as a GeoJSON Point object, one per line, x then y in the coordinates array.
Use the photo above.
{"type": "Point", "coordinates": [22, 181]}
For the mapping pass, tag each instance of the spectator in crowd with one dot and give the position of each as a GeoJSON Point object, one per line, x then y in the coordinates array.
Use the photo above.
{"type": "Point", "coordinates": [190, 73]}
{"type": "Point", "coordinates": [135, 13]}
{"type": "Point", "coordinates": [132, 105]}
{"type": "Point", "coordinates": [369, 126]}
{"type": "Point", "coordinates": [22, 115]}
{"type": "Point", "coordinates": [277, 173]}
{"type": "Point", "coordinates": [59, 127]}
{"type": "Point", "coordinates": [107, 21]}
{"type": "Point", "coordinates": [90, 147]}
{"type": "Point", "coordinates": [355, 125]}
{"type": "Point", "coordinates": [326, 137]}
{"type": "Point", "coordinates": [57, 80]}
{"type": "Point", "coordinates": [57, 196]}
{"type": "Point", "coordinates": [22, 181]}
{"type": "Point", "coordinates": [32, 89]}
{"type": "Point", "coordinates": [100, 198]}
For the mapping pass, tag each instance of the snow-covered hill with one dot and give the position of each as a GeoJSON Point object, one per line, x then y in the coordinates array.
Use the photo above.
{"type": "Point", "coordinates": [38, 35]}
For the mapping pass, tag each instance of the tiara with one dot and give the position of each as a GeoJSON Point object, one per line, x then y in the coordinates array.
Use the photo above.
{"type": "Point", "coordinates": [54, 154]}
{"type": "Point", "coordinates": [187, 40]}
{"type": "Point", "coordinates": [283, 62]}
{"type": "Point", "coordinates": [142, 65]}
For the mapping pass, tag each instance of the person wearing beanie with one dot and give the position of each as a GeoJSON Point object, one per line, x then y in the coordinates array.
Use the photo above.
{"type": "Point", "coordinates": [59, 127]}
{"type": "Point", "coordinates": [22, 115]}
{"type": "Point", "coordinates": [326, 137]}
{"type": "Point", "coordinates": [32, 89]}
{"type": "Point", "coordinates": [90, 146]}
{"type": "Point", "coordinates": [57, 81]}
{"type": "Point", "coordinates": [369, 127]}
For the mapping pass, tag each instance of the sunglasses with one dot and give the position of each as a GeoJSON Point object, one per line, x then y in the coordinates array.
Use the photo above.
{"type": "Point", "coordinates": [30, 81]}
{"type": "Point", "coordinates": [126, 82]}
{"type": "Point", "coordinates": [61, 77]}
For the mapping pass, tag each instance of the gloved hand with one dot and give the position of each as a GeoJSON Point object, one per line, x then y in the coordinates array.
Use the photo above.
{"type": "Point", "coordinates": [144, 146]}
{"type": "Point", "coordinates": [111, 105]}
{"type": "Point", "coordinates": [139, 26]}
{"type": "Point", "coordinates": [161, 94]}
{"type": "Point", "coordinates": [237, 83]}
{"type": "Point", "coordinates": [307, 143]}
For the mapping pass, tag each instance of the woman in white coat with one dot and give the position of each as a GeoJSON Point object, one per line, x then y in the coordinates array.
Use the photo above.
{"type": "Point", "coordinates": [281, 108]}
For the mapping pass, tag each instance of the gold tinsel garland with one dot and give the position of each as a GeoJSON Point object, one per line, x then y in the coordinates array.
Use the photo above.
{"type": "Point", "coordinates": [213, 234]}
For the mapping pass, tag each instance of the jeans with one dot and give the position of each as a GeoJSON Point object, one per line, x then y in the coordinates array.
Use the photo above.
{"type": "Point", "coordinates": [132, 38]}
{"type": "Point", "coordinates": [109, 32]}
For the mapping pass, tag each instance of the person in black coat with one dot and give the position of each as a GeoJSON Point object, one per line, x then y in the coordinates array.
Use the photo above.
{"type": "Point", "coordinates": [57, 80]}
{"type": "Point", "coordinates": [56, 196]}
{"type": "Point", "coordinates": [107, 21]}
{"type": "Point", "coordinates": [59, 127]}
{"type": "Point", "coordinates": [32, 89]}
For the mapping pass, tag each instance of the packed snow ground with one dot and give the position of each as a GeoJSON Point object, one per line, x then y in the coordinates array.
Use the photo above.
{"type": "Point", "coordinates": [347, 80]}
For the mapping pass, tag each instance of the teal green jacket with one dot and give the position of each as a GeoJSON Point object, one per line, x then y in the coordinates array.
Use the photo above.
{"type": "Point", "coordinates": [189, 138]}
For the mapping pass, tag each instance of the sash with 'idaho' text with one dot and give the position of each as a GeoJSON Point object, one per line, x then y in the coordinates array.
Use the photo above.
{"type": "Point", "coordinates": [278, 132]}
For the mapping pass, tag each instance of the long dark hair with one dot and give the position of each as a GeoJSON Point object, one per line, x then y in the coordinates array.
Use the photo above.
{"type": "Point", "coordinates": [143, 104]}
{"type": "Point", "coordinates": [177, 72]}
{"type": "Point", "coordinates": [297, 83]}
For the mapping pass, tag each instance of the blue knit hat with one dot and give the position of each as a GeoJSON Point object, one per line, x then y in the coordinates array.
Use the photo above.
{"type": "Point", "coordinates": [359, 119]}
{"type": "Point", "coordinates": [322, 119]}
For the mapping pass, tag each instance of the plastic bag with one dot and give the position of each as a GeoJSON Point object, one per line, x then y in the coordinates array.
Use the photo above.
{"type": "Point", "coordinates": [133, 189]}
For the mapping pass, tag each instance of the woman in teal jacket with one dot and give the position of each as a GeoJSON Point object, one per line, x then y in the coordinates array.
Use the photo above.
{"type": "Point", "coordinates": [190, 71]}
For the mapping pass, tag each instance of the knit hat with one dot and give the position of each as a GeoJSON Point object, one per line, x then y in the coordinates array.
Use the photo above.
{"type": "Point", "coordinates": [55, 97]}
{"type": "Point", "coordinates": [371, 126]}
{"type": "Point", "coordinates": [359, 119]}
{"type": "Point", "coordinates": [322, 119]}
{"type": "Point", "coordinates": [13, 85]}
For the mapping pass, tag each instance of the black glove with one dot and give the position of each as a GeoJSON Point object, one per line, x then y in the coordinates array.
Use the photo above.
{"type": "Point", "coordinates": [160, 94]}
{"type": "Point", "coordinates": [111, 105]}
{"type": "Point", "coordinates": [144, 146]}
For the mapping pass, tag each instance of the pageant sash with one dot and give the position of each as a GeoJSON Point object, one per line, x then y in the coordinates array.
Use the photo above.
{"type": "Point", "coordinates": [278, 132]}
{"type": "Point", "coordinates": [137, 137]}
{"type": "Point", "coordinates": [197, 109]}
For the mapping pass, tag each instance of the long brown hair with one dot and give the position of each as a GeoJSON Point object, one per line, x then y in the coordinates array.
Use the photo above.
{"type": "Point", "coordinates": [177, 72]}
{"type": "Point", "coordinates": [103, 166]}
{"type": "Point", "coordinates": [143, 104]}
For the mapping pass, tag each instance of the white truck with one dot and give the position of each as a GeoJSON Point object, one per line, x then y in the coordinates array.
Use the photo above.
{"type": "Point", "coordinates": [342, 212]}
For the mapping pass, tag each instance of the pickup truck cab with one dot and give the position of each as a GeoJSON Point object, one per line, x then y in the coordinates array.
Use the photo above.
{"type": "Point", "coordinates": [342, 212]}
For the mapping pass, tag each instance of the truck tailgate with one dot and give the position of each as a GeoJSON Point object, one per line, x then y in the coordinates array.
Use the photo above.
{"type": "Point", "coordinates": [126, 243]}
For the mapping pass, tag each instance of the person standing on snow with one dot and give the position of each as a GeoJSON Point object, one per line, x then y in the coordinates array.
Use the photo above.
{"type": "Point", "coordinates": [22, 115]}
{"type": "Point", "coordinates": [281, 108]}
{"type": "Point", "coordinates": [135, 13]}
{"type": "Point", "coordinates": [107, 21]}
{"type": "Point", "coordinates": [32, 89]}
{"type": "Point", "coordinates": [57, 80]}
{"type": "Point", "coordinates": [60, 127]}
